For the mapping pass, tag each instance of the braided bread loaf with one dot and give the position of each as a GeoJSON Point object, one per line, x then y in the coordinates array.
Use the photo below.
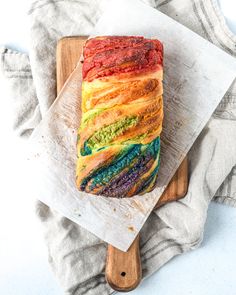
{"type": "Point", "coordinates": [122, 112]}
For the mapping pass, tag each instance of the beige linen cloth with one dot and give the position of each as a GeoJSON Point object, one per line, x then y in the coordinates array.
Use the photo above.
{"type": "Point", "coordinates": [77, 257]}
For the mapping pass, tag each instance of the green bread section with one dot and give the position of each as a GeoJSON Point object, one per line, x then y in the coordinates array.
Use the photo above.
{"type": "Point", "coordinates": [105, 135]}
{"type": "Point", "coordinates": [88, 116]}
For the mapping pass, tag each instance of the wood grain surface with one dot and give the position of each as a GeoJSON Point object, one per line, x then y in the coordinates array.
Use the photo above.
{"type": "Point", "coordinates": [123, 269]}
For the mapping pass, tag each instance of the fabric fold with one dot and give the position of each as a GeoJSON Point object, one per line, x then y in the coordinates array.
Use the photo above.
{"type": "Point", "coordinates": [16, 69]}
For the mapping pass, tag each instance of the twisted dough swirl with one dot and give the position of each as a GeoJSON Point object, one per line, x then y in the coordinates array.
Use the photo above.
{"type": "Point", "coordinates": [122, 112]}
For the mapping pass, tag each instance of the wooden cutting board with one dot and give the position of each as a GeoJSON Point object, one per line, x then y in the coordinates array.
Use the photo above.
{"type": "Point", "coordinates": [123, 269]}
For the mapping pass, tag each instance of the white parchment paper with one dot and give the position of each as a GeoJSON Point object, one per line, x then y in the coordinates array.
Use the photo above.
{"type": "Point", "coordinates": [196, 76]}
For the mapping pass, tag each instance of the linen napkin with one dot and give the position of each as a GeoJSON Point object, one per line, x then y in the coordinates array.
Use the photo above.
{"type": "Point", "coordinates": [76, 256]}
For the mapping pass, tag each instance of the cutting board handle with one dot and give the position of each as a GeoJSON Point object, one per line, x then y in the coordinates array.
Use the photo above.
{"type": "Point", "coordinates": [123, 269]}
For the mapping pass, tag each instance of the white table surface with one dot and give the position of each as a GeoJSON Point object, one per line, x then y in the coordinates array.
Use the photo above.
{"type": "Point", "coordinates": [209, 270]}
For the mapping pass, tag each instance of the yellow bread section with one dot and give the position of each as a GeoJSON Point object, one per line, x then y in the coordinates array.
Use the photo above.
{"type": "Point", "coordinates": [132, 107]}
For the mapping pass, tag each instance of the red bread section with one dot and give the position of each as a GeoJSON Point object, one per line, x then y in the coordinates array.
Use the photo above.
{"type": "Point", "coordinates": [115, 55]}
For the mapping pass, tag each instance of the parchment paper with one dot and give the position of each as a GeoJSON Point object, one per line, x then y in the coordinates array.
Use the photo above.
{"type": "Point", "coordinates": [196, 76]}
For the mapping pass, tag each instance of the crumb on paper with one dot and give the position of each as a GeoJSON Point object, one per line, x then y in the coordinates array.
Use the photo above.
{"type": "Point", "coordinates": [76, 211]}
{"type": "Point", "coordinates": [128, 215]}
{"type": "Point", "coordinates": [114, 209]}
{"type": "Point", "coordinates": [138, 205]}
{"type": "Point", "coordinates": [131, 228]}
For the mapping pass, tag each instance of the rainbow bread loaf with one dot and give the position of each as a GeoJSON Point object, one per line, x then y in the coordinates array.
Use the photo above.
{"type": "Point", "coordinates": [122, 112]}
